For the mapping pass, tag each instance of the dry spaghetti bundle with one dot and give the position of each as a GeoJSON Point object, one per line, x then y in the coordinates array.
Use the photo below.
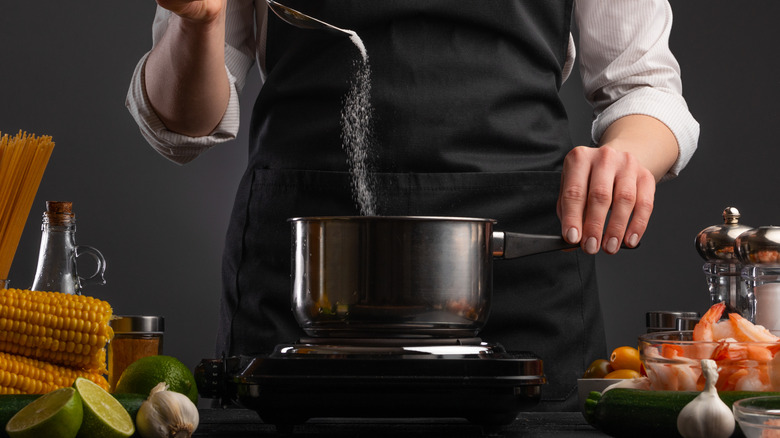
{"type": "Point", "coordinates": [23, 159]}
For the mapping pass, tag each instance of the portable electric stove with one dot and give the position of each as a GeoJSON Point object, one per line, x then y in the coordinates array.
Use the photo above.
{"type": "Point", "coordinates": [378, 378]}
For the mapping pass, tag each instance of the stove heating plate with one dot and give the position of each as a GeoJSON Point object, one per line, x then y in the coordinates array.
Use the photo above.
{"type": "Point", "coordinates": [320, 378]}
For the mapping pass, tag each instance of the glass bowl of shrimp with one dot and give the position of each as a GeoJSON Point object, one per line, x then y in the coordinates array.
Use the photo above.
{"type": "Point", "coordinates": [744, 352]}
{"type": "Point", "coordinates": [758, 416]}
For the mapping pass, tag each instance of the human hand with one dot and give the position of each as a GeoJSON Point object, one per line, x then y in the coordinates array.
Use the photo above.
{"type": "Point", "coordinates": [597, 182]}
{"type": "Point", "coordinates": [204, 11]}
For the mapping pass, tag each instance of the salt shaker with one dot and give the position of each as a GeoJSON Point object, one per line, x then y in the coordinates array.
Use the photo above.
{"type": "Point", "coordinates": [722, 269]}
{"type": "Point", "coordinates": [759, 250]}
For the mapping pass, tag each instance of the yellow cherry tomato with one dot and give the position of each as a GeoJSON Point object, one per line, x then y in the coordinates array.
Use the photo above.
{"type": "Point", "coordinates": [622, 374]}
{"type": "Point", "coordinates": [597, 369]}
{"type": "Point", "coordinates": [625, 358]}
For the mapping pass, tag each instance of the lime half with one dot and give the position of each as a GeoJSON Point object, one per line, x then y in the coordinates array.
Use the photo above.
{"type": "Point", "coordinates": [57, 414]}
{"type": "Point", "coordinates": [104, 416]}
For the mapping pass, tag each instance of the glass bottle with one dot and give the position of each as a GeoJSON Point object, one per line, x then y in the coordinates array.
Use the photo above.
{"type": "Point", "coordinates": [56, 269]}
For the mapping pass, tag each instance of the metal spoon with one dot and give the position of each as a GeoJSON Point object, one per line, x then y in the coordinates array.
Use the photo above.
{"type": "Point", "coordinates": [301, 20]}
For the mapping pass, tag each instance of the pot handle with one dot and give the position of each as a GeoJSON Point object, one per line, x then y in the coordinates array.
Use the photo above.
{"type": "Point", "coordinates": [508, 245]}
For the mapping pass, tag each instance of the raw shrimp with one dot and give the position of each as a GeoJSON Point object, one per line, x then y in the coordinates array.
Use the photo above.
{"type": "Point", "coordinates": [771, 432]}
{"type": "Point", "coordinates": [748, 379]}
{"type": "Point", "coordinates": [746, 331]}
{"type": "Point", "coordinates": [774, 372]}
{"type": "Point", "coordinates": [730, 350]}
{"type": "Point", "coordinates": [703, 329]}
{"type": "Point", "coordinates": [746, 355]}
{"type": "Point", "coordinates": [742, 365]}
{"type": "Point", "coordinates": [681, 376]}
{"type": "Point", "coordinates": [723, 329]}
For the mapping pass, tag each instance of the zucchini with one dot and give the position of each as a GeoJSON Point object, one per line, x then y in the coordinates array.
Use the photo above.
{"type": "Point", "coordinates": [637, 413]}
{"type": "Point", "coordinates": [10, 404]}
{"type": "Point", "coordinates": [131, 402]}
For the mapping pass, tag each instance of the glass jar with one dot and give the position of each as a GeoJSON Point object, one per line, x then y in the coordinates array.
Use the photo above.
{"type": "Point", "coordinates": [135, 337]}
{"type": "Point", "coordinates": [664, 321]}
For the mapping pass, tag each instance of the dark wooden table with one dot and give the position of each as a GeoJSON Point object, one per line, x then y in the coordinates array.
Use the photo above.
{"type": "Point", "coordinates": [241, 423]}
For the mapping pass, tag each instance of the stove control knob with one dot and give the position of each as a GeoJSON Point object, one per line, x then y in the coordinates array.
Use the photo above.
{"type": "Point", "coordinates": [210, 376]}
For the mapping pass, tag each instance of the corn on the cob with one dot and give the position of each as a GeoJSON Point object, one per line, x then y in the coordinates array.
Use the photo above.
{"type": "Point", "coordinates": [22, 375]}
{"type": "Point", "coordinates": [67, 330]}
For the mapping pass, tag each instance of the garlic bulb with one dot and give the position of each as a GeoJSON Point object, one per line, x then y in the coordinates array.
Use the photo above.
{"type": "Point", "coordinates": [706, 416]}
{"type": "Point", "coordinates": [635, 383]}
{"type": "Point", "coordinates": [167, 414]}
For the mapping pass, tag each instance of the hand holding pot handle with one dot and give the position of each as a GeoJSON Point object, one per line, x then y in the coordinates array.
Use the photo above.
{"type": "Point", "coordinates": [508, 245]}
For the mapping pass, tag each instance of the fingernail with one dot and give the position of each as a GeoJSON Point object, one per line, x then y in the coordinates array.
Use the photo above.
{"type": "Point", "coordinates": [572, 235]}
{"type": "Point", "coordinates": [633, 240]}
{"type": "Point", "coordinates": [612, 245]}
{"type": "Point", "coordinates": [591, 246]}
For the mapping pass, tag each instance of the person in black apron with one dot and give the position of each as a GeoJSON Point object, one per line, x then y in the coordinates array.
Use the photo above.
{"type": "Point", "coordinates": [467, 122]}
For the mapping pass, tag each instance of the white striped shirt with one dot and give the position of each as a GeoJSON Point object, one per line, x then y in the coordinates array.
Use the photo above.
{"type": "Point", "coordinates": [625, 63]}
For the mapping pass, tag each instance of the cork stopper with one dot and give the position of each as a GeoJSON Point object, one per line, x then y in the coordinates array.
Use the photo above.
{"type": "Point", "coordinates": [61, 207]}
{"type": "Point", "coordinates": [59, 213]}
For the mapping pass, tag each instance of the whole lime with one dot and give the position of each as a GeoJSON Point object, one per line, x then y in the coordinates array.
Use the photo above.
{"type": "Point", "coordinates": [145, 373]}
{"type": "Point", "coordinates": [57, 414]}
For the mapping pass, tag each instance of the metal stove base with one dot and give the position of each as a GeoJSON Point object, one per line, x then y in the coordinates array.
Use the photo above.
{"type": "Point", "coordinates": [285, 390]}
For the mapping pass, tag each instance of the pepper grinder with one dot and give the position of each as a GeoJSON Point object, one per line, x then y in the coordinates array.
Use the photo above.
{"type": "Point", "coordinates": [722, 269]}
{"type": "Point", "coordinates": [759, 252]}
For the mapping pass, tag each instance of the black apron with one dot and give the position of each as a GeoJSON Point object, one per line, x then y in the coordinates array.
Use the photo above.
{"type": "Point", "coordinates": [467, 122]}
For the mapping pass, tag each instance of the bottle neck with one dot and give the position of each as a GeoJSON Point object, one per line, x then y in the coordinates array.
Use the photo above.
{"type": "Point", "coordinates": [58, 229]}
{"type": "Point", "coordinates": [56, 219]}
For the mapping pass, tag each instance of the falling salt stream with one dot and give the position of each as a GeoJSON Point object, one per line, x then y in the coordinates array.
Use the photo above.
{"type": "Point", "coordinates": [356, 130]}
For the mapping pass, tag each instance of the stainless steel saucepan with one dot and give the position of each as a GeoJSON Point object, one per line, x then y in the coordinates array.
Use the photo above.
{"type": "Point", "coordinates": [400, 276]}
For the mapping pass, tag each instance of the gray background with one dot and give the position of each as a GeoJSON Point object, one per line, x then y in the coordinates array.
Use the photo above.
{"type": "Point", "coordinates": [65, 70]}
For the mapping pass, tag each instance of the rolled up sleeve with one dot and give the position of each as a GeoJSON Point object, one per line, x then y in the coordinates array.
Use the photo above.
{"type": "Point", "coordinates": [239, 58]}
{"type": "Point", "coordinates": [627, 68]}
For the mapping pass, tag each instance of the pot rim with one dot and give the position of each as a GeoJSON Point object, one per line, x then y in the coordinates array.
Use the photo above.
{"type": "Point", "coordinates": [398, 218]}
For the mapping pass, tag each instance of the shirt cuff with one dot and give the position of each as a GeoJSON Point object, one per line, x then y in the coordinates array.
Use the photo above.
{"type": "Point", "coordinates": [176, 147]}
{"type": "Point", "coordinates": [669, 108]}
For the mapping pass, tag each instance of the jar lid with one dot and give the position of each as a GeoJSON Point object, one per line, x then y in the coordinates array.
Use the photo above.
{"type": "Point", "coordinates": [666, 319]}
{"type": "Point", "coordinates": [684, 324]}
{"type": "Point", "coordinates": [717, 242]}
{"type": "Point", "coordinates": [759, 246]}
{"type": "Point", "coordinates": [138, 324]}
